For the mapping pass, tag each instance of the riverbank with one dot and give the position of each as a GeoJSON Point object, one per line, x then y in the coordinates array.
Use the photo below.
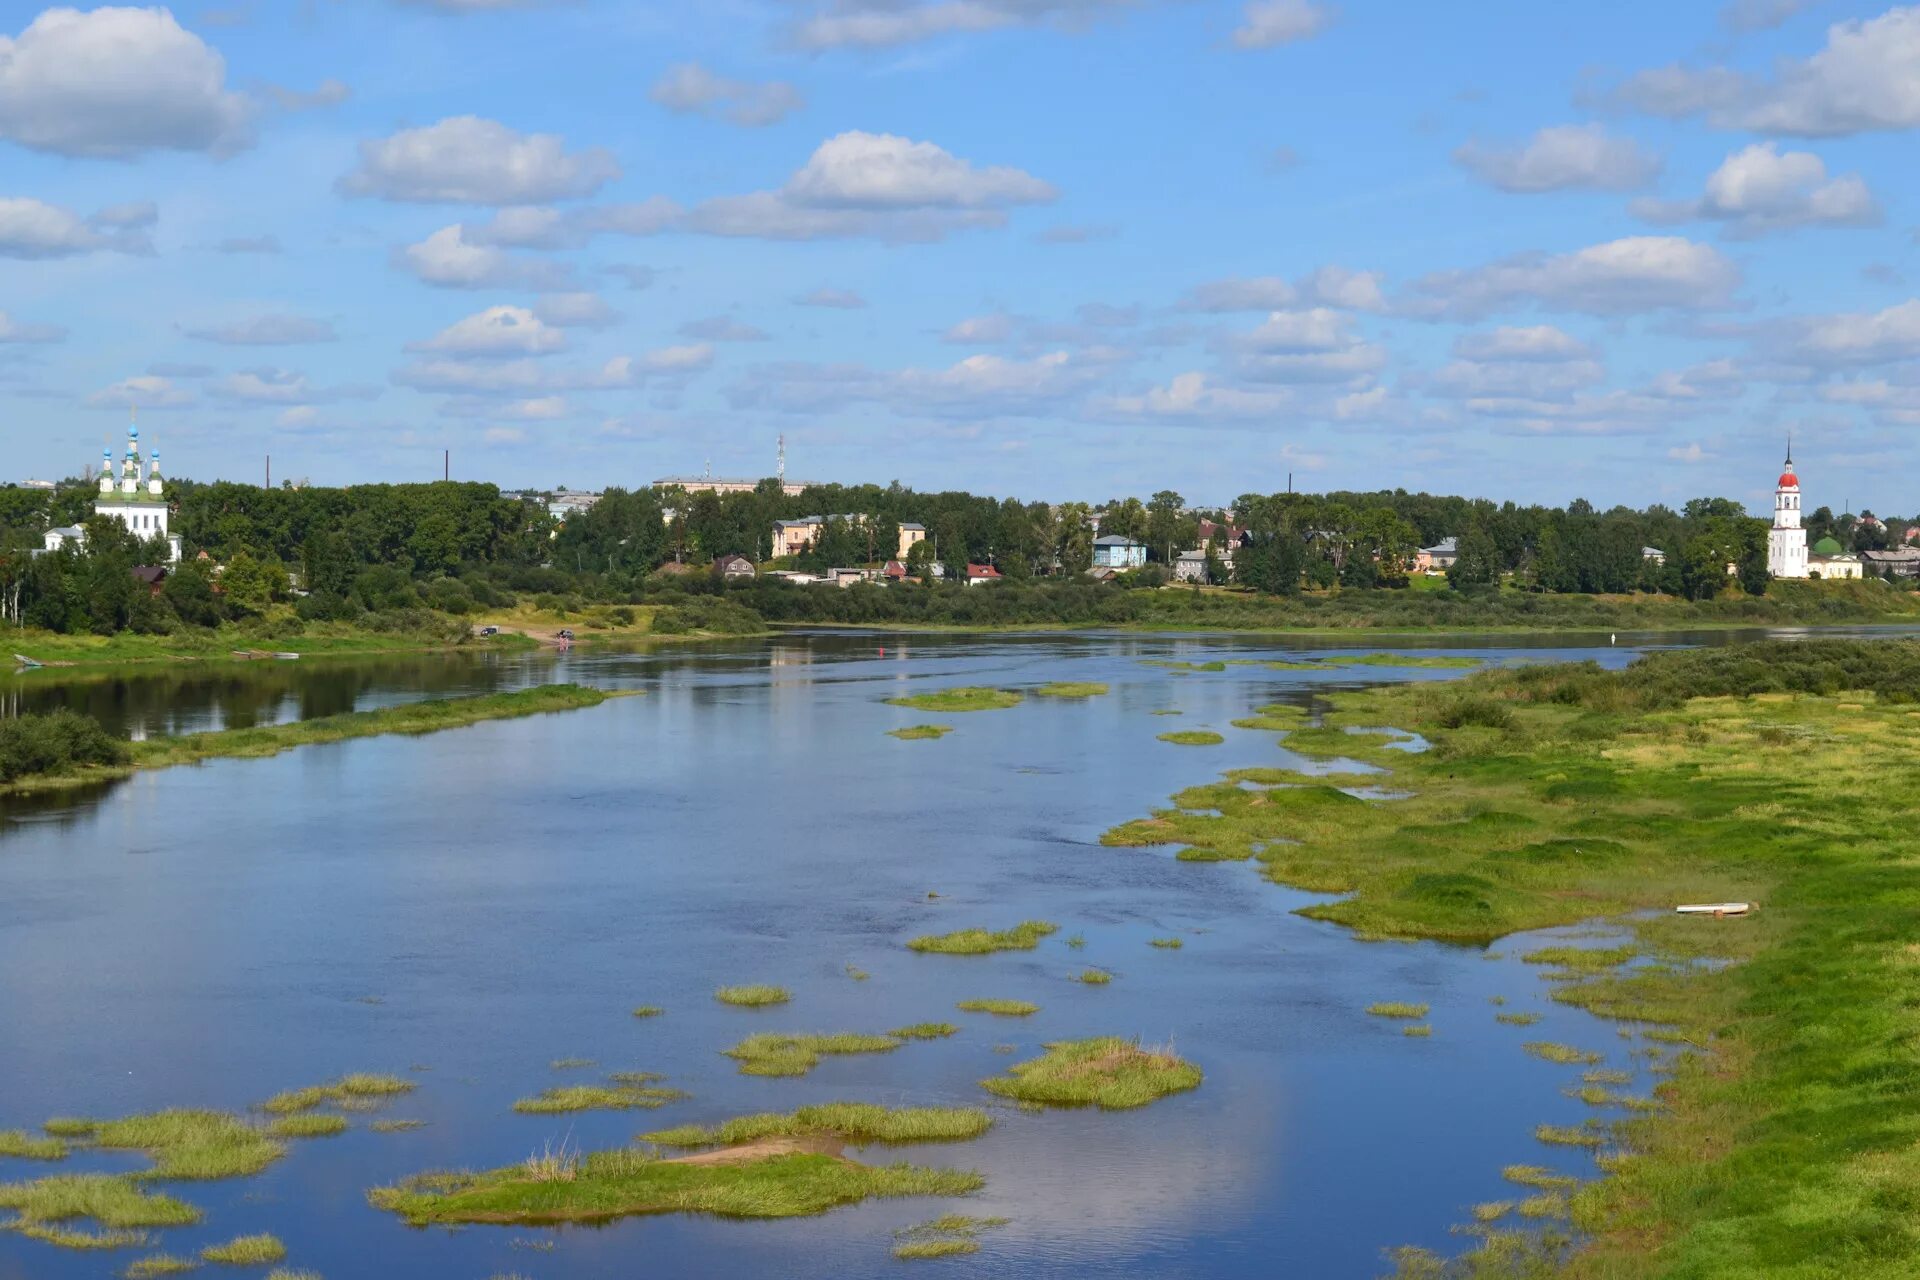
{"type": "Point", "coordinates": [411, 718]}
{"type": "Point", "coordinates": [1783, 1140]}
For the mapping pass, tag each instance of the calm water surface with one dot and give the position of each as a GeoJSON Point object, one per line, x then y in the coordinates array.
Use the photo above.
{"type": "Point", "coordinates": [473, 905]}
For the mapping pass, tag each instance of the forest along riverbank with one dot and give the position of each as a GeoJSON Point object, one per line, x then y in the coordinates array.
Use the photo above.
{"type": "Point", "coordinates": [1782, 1139]}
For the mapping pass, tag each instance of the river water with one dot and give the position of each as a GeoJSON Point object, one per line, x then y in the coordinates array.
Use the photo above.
{"type": "Point", "coordinates": [471, 906]}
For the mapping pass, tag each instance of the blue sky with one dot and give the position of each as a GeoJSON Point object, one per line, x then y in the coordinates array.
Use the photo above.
{"type": "Point", "coordinates": [1050, 248]}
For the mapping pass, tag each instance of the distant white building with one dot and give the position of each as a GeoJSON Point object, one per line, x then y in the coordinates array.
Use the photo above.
{"type": "Point", "coordinates": [1112, 551]}
{"type": "Point", "coordinates": [136, 501]}
{"type": "Point", "coordinates": [1787, 541]}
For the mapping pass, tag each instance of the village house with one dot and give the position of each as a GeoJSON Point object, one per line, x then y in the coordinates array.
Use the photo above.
{"type": "Point", "coordinates": [1901, 562]}
{"type": "Point", "coordinates": [1437, 558]}
{"type": "Point", "coordinates": [1114, 551]}
{"type": "Point", "coordinates": [733, 566]}
{"type": "Point", "coordinates": [1828, 559]}
{"type": "Point", "coordinates": [795, 537]}
{"type": "Point", "coordinates": [1191, 566]}
{"type": "Point", "coordinates": [979, 573]}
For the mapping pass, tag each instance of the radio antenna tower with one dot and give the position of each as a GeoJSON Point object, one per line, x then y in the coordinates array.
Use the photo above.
{"type": "Point", "coordinates": [780, 459]}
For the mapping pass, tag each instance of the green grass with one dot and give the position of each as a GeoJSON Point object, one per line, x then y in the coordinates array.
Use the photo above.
{"type": "Point", "coordinates": [939, 1247]}
{"type": "Point", "coordinates": [640, 1095]}
{"type": "Point", "coordinates": [185, 1144]}
{"type": "Point", "coordinates": [246, 1251]}
{"type": "Point", "coordinates": [115, 1201]}
{"type": "Point", "coordinates": [1166, 944]}
{"type": "Point", "coordinates": [1193, 738]}
{"type": "Point", "coordinates": [571, 1064]}
{"type": "Point", "coordinates": [75, 1238]}
{"type": "Point", "coordinates": [1420, 1029]}
{"type": "Point", "coordinates": [306, 1126]}
{"type": "Point", "coordinates": [1004, 1008]}
{"type": "Point", "coordinates": [359, 1086]}
{"type": "Point", "coordinates": [920, 732]}
{"type": "Point", "coordinates": [1107, 1072]}
{"type": "Point", "coordinates": [968, 698]}
{"type": "Point", "coordinates": [1561, 1136]}
{"type": "Point", "coordinates": [753, 996]}
{"type": "Point", "coordinates": [947, 1236]}
{"type": "Point", "coordinates": [1094, 977]}
{"type": "Point", "coordinates": [769, 1053]}
{"type": "Point", "coordinates": [1397, 1009]}
{"type": "Point", "coordinates": [607, 1185]}
{"type": "Point", "coordinates": [1171, 664]}
{"type": "Point", "coordinates": [1433, 661]}
{"type": "Point", "coordinates": [1537, 1176]}
{"type": "Point", "coordinates": [1070, 689]}
{"type": "Point", "coordinates": [1024, 936]}
{"type": "Point", "coordinates": [1561, 1053]}
{"type": "Point", "coordinates": [924, 1031]}
{"type": "Point", "coordinates": [157, 1264]}
{"type": "Point", "coordinates": [1517, 1019]}
{"type": "Point", "coordinates": [397, 1126]}
{"type": "Point", "coordinates": [856, 1122]}
{"type": "Point", "coordinates": [648, 1011]}
{"type": "Point", "coordinates": [288, 1273]}
{"type": "Point", "coordinates": [1582, 960]}
{"type": "Point", "coordinates": [21, 1145]}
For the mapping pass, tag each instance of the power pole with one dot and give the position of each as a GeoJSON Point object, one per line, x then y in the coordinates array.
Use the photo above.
{"type": "Point", "coordinates": [269, 471]}
{"type": "Point", "coordinates": [446, 465]}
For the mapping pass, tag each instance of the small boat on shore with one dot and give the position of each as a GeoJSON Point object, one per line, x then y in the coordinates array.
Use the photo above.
{"type": "Point", "coordinates": [27, 663]}
{"type": "Point", "coordinates": [287, 657]}
{"type": "Point", "coordinates": [1713, 908]}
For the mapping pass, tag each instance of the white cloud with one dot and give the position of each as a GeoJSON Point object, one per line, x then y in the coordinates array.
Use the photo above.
{"type": "Point", "coordinates": [841, 299]}
{"type": "Point", "coordinates": [1620, 277]}
{"type": "Point", "coordinates": [32, 228]}
{"type": "Point", "coordinates": [471, 160]}
{"type": "Point", "coordinates": [1758, 15]}
{"type": "Point", "coordinates": [12, 330]}
{"type": "Point", "coordinates": [533, 378]}
{"type": "Point", "coordinates": [987, 330]}
{"type": "Point", "coordinates": [1858, 338]}
{"type": "Point", "coordinates": [1712, 380]}
{"type": "Point", "coordinates": [1316, 329]}
{"type": "Point", "coordinates": [1240, 293]}
{"type": "Point", "coordinates": [537, 227]}
{"type": "Point", "coordinates": [268, 331]}
{"type": "Point", "coordinates": [1760, 189]}
{"type": "Point", "coordinates": [691, 88]}
{"type": "Point", "coordinates": [1562, 158]}
{"type": "Point", "coordinates": [497, 331]}
{"type": "Point", "coordinates": [1359, 406]}
{"type": "Point", "coordinates": [1534, 342]}
{"type": "Point", "coordinates": [722, 329]}
{"type": "Point", "coordinates": [880, 24]}
{"type": "Point", "coordinates": [536, 409]}
{"type": "Point", "coordinates": [575, 310]}
{"type": "Point", "coordinates": [1688, 453]}
{"type": "Point", "coordinates": [144, 392]}
{"type": "Point", "coordinates": [1530, 379]}
{"type": "Point", "coordinates": [1866, 78]}
{"type": "Point", "coordinates": [1314, 345]}
{"type": "Point", "coordinates": [280, 386]}
{"type": "Point", "coordinates": [980, 386]}
{"type": "Point", "coordinates": [449, 260]}
{"type": "Point", "coordinates": [1267, 23]}
{"type": "Point", "coordinates": [1336, 286]}
{"type": "Point", "coordinates": [1196, 396]}
{"type": "Point", "coordinates": [116, 83]}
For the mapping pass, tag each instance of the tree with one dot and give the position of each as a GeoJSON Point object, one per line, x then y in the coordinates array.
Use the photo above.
{"type": "Point", "coordinates": [1550, 569]}
{"type": "Point", "coordinates": [251, 585]}
{"type": "Point", "coordinates": [1163, 522]}
{"type": "Point", "coordinates": [1478, 563]}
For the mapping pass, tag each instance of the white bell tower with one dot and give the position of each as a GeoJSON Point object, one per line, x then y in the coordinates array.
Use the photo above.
{"type": "Point", "coordinates": [1787, 541]}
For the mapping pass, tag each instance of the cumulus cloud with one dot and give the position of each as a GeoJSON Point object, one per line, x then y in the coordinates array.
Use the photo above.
{"type": "Point", "coordinates": [1562, 158]}
{"type": "Point", "coordinates": [840, 299]}
{"type": "Point", "coordinates": [472, 160]}
{"type": "Point", "coordinates": [881, 24]}
{"type": "Point", "coordinates": [722, 329]}
{"type": "Point", "coordinates": [1314, 345]}
{"type": "Point", "coordinates": [577, 309]}
{"type": "Point", "coordinates": [32, 228]}
{"type": "Point", "coordinates": [692, 89]}
{"type": "Point", "coordinates": [1266, 23]}
{"type": "Point", "coordinates": [535, 409]}
{"type": "Point", "coordinates": [1197, 396]}
{"type": "Point", "coordinates": [1530, 379]}
{"type": "Point", "coordinates": [1329, 286]}
{"type": "Point", "coordinates": [1761, 189]}
{"type": "Point", "coordinates": [1533, 342]}
{"type": "Point", "coordinates": [1856, 338]}
{"type": "Point", "coordinates": [116, 83]}
{"type": "Point", "coordinates": [268, 331]}
{"type": "Point", "coordinates": [529, 377]}
{"type": "Point", "coordinates": [1620, 277]}
{"type": "Point", "coordinates": [1335, 286]}
{"type": "Point", "coordinates": [447, 259]}
{"type": "Point", "coordinates": [980, 386]}
{"type": "Point", "coordinates": [496, 331]}
{"type": "Point", "coordinates": [1866, 78]}
{"type": "Point", "coordinates": [12, 330]}
{"type": "Point", "coordinates": [146, 391]}
{"type": "Point", "coordinates": [988, 330]}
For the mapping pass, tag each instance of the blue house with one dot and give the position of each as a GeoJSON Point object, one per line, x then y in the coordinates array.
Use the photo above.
{"type": "Point", "coordinates": [1116, 552]}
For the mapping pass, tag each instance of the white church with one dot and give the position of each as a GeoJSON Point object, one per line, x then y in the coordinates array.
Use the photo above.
{"type": "Point", "coordinates": [137, 501]}
{"type": "Point", "coordinates": [1787, 552]}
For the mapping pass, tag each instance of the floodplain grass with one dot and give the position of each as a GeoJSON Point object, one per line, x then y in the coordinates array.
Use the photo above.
{"type": "Point", "coordinates": [1094, 977]}
{"type": "Point", "coordinates": [18, 1144]}
{"type": "Point", "coordinates": [73, 1238]}
{"type": "Point", "coordinates": [1024, 936]}
{"type": "Point", "coordinates": [964, 698]}
{"type": "Point", "coordinates": [753, 996]}
{"type": "Point", "coordinates": [1582, 959]}
{"type": "Point", "coordinates": [920, 732]}
{"type": "Point", "coordinates": [1553, 795]}
{"type": "Point", "coordinates": [397, 1126]}
{"type": "Point", "coordinates": [648, 1011]}
{"type": "Point", "coordinates": [1417, 1029]}
{"type": "Point", "coordinates": [157, 1264]}
{"type": "Point", "coordinates": [1558, 1135]}
{"type": "Point", "coordinates": [1071, 689]}
{"type": "Point", "coordinates": [1552, 1051]}
{"type": "Point", "coordinates": [116, 1201]}
{"type": "Point", "coordinates": [1000, 1008]}
{"type": "Point", "coordinates": [360, 1085]}
{"type": "Point", "coordinates": [1193, 738]}
{"type": "Point", "coordinates": [571, 1064]}
{"type": "Point", "coordinates": [1108, 1072]}
{"type": "Point", "coordinates": [1166, 944]}
{"type": "Point", "coordinates": [306, 1126]}
{"type": "Point", "coordinates": [246, 1251]}
{"type": "Point", "coordinates": [1522, 1019]}
{"type": "Point", "coordinates": [640, 1095]}
{"type": "Point", "coordinates": [285, 1273]}
{"type": "Point", "coordinates": [771, 1053]}
{"type": "Point", "coordinates": [1397, 1009]}
{"type": "Point", "coordinates": [190, 1144]}
{"type": "Point", "coordinates": [1426, 661]}
{"type": "Point", "coordinates": [947, 1236]}
{"type": "Point", "coordinates": [859, 1123]}
{"type": "Point", "coordinates": [924, 1031]}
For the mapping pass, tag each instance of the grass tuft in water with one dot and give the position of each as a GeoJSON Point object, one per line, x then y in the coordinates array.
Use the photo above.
{"type": "Point", "coordinates": [1094, 977]}
{"type": "Point", "coordinates": [1071, 689]}
{"type": "Point", "coordinates": [1024, 936]}
{"type": "Point", "coordinates": [1107, 1072]}
{"type": "Point", "coordinates": [246, 1251]}
{"type": "Point", "coordinates": [648, 1011]}
{"type": "Point", "coordinates": [306, 1126]}
{"type": "Point", "coordinates": [1538, 1177]}
{"type": "Point", "coordinates": [186, 1144]}
{"type": "Point", "coordinates": [361, 1086]}
{"type": "Point", "coordinates": [116, 1201]}
{"type": "Point", "coordinates": [920, 732]}
{"type": "Point", "coordinates": [21, 1145]}
{"type": "Point", "coordinates": [924, 1031]}
{"type": "Point", "coordinates": [1517, 1019]}
{"type": "Point", "coordinates": [946, 1236]}
{"type": "Point", "coordinates": [856, 1122]}
{"type": "Point", "coordinates": [771, 1053]}
{"type": "Point", "coordinates": [397, 1126]}
{"type": "Point", "coordinates": [1567, 1054]}
{"type": "Point", "coordinates": [1397, 1009]}
{"type": "Point", "coordinates": [966, 698]}
{"type": "Point", "coordinates": [753, 996]}
{"type": "Point", "coordinates": [1420, 1029]}
{"type": "Point", "coordinates": [571, 1064]}
{"type": "Point", "coordinates": [636, 1093]}
{"type": "Point", "coordinates": [1004, 1008]}
{"type": "Point", "coordinates": [157, 1264]}
{"type": "Point", "coordinates": [1555, 1135]}
{"type": "Point", "coordinates": [1166, 944]}
{"type": "Point", "coordinates": [1193, 738]}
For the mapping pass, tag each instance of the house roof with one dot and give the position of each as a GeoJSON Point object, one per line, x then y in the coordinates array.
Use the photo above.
{"type": "Point", "coordinates": [1199, 556]}
{"type": "Point", "coordinates": [982, 571]}
{"type": "Point", "coordinates": [69, 531]}
{"type": "Point", "coordinates": [151, 574]}
{"type": "Point", "coordinates": [1116, 540]}
{"type": "Point", "coordinates": [1827, 546]}
{"type": "Point", "coordinates": [1444, 547]}
{"type": "Point", "coordinates": [910, 525]}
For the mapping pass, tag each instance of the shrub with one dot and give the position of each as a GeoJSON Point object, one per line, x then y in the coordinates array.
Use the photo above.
{"type": "Point", "coordinates": [32, 744]}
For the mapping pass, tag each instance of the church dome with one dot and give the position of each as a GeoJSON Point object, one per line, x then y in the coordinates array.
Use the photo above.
{"type": "Point", "coordinates": [1828, 547]}
{"type": "Point", "coordinates": [1788, 480]}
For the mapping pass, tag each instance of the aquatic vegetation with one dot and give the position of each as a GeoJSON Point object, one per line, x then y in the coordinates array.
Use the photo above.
{"type": "Point", "coordinates": [115, 1201]}
{"type": "Point", "coordinates": [571, 1064]}
{"type": "Point", "coordinates": [920, 732]}
{"type": "Point", "coordinates": [1193, 738]}
{"type": "Point", "coordinates": [306, 1126]}
{"type": "Point", "coordinates": [397, 1126]}
{"type": "Point", "coordinates": [648, 1011]}
{"type": "Point", "coordinates": [1533, 1175]}
{"type": "Point", "coordinates": [633, 1092]}
{"type": "Point", "coordinates": [1582, 959]}
{"type": "Point", "coordinates": [1166, 944]}
{"type": "Point", "coordinates": [1107, 1072]}
{"type": "Point", "coordinates": [1173, 665]}
{"type": "Point", "coordinates": [1492, 1210]}
{"type": "Point", "coordinates": [284, 1273]}
{"type": "Point", "coordinates": [21, 1145]}
{"type": "Point", "coordinates": [1077, 941]}
{"type": "Point", "coordinates": [1420, 1029]}
{"type": "Point", "coordinates": [1545, 1205]}
{"type": "Point", "coordinates": [1004, 1008]}
{"type": "Point", "coordinates": [1560, 1136]}
{"type": "Point", "coordinates": [770, 1053]}
{"type": "Point", "coordinates": [855, 1122]}
{"type": "Point", "coordinates": [924, 1031]}
{"type": "Point", "coordinates": [966, 698]}
{"type": "Point", "coordinates": [1070, 689]}
{"type": "Point", "coordinates": [1024, 936]}
{"type": "Point", "coordinates": [1094, 977]}
{"type": "Point", "coordinates": [1608, 1075]}
{"type": "Point", "coordinates": [1521, 1019]}
{"type": "Point", "coordinates": [246, 1251]}
{"type": "Point", "coordinates": [1412, 660]}
{"type": "Point", "coordinates": [1562, 1053]}
{"type": "Point", "coordinates": [71, 1238]}
{"type": "Point", "coordinates": [363, 1086]}
{"type": "Point", "coordinates": [945, 1236]}
{"type": "Point", "coordinates": [1397, 1009]}
{"type": "Point", "coordinates": [753, 996]}
{"type": "Point", "coordinates": [157, 1264]}
{"type": "Point", "coordinates": [185, 1144]}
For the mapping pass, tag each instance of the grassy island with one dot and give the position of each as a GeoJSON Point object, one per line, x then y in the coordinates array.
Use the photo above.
{"type": "Point", "coordinates": [1106, 1072]}
{"type": "Point", "coordinates": [1024, 936]}
{"type": "Point", "coordinates": [961, 699]}
{"type": "Point", "coordinates": [1772, 773]}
